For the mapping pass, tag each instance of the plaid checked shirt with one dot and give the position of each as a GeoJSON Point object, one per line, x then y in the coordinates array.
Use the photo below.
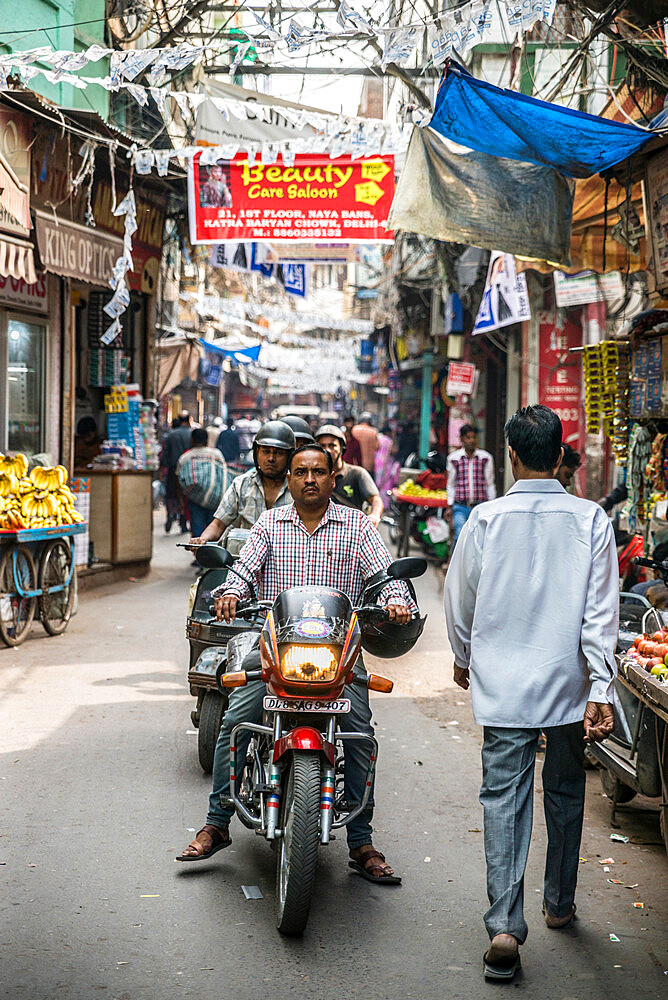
{"type": "Point", "coordinates": [470, 480]}
{"type": "Point", "coordinates": [342, 553]}
{"type": "Point", "coordinates": [243, 501]}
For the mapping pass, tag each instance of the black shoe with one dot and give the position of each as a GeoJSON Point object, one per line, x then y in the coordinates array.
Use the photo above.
{"type": "Point", "coordinates": [168, 525]}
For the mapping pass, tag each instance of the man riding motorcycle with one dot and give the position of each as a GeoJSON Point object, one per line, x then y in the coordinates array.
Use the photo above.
{"type": "Point", "coordinates": [310, 542]}
{"type": "Point", "coordinates": [260, 488]}
{"type": "Point", "coordinates": [300, 428]}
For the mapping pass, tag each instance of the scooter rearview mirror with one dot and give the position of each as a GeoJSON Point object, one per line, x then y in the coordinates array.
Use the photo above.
{"type": "Point", "coordinates": [213, 557]}
{"type": "Point", "coordinates": [408, 568]}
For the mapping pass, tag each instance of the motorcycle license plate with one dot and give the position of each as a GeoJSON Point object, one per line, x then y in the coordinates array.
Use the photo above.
{"type": "Point", "coordinates": [273, 704]}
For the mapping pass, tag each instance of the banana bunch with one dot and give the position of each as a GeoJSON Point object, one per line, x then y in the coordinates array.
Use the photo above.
{"type": "Point", "coordinates": [411, 489]}
{"type": "Point", "coordinates": [49, 479]}
{"type": "Point", "coordinates": [17, 466]}
{"type": "Point", "coordinates": [39, 500]}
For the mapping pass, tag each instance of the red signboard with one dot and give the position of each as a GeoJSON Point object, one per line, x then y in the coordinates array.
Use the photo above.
{"type": "Point", "coordinates": [318, 199]}
{"type": "Point", "coordinates": [461, 376]}
{"type": "Point", "coordinates": [560, 379]}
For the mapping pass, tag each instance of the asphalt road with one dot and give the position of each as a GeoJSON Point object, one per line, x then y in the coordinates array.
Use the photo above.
{"type": "Point", "coordinates": [100, 788]}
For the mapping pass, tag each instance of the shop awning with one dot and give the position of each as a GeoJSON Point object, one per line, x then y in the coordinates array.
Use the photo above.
{"type": "Point", "coordinates": [504, 123]}
{"type": "Point", "coordinates": [242, 355]}
{"type": "Point", "coordinates": [17, 259]}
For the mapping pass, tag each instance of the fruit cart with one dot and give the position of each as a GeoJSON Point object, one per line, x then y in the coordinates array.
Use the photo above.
{"type": "Point", "coordinates": [37, 575]}
{"type": "Point", "coordinates": [410, 505]}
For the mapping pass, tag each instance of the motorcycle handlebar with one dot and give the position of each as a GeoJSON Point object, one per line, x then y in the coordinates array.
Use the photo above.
{"type": "Point", "coordinates": [373, 610]}
{"type": "Point", "coordinates": [650, 563]}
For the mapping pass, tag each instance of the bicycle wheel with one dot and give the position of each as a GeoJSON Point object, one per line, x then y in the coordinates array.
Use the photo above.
{"type": "Point", "coordinates": [16, 612]}
{"type": "Point", "coordinates": [55, 610]}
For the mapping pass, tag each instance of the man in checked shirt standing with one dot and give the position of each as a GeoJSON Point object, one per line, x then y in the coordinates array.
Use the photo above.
{"type": "Point", "coordinates": [470, 478]}
{"type": "Point", "coordinates": [310, 542]}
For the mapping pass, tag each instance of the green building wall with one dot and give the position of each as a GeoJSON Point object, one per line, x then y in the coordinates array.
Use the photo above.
{"type": "Point", "coordinates": [69, 25]}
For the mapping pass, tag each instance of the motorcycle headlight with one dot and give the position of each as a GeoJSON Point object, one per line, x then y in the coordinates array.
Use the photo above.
{"type": "Point", "coordinates": [309, 663]}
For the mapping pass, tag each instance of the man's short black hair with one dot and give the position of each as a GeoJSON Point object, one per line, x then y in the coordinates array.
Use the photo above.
{"type": "Point", "coordinates": [571, 459]}
{"type": "Point", "coordinates": [534, 433]}
{"type": "Point", "coordinates": [312, 447]}
{"type": "Point", "coordinates": [198, 437]}
{"type": "Point", "coordinates": [347, 417]}
{"type": "Point", "coordinates": [467, 429]}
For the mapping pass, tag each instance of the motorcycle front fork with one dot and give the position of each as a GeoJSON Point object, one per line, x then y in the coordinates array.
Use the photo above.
{"type": "Point", "coordinates": [267, 821]}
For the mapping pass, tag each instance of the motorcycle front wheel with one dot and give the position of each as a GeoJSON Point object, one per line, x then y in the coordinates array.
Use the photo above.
{"type": "Point", "coordinates": [297, 855]}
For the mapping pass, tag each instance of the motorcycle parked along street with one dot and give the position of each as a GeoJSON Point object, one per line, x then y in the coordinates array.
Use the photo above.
{"type": "Point", "coordinates": [289, 787]}
{"type": "Point", "coordinates": [634, 758]}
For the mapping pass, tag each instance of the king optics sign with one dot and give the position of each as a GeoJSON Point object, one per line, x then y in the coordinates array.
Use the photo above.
{"type": "Point", "coordinates": [315, 199]}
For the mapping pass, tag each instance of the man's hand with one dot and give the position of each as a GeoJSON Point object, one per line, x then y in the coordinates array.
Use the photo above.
{"type": "Point", "coordinates": [399, 614]}
{"type": "Point", "coordinates": [226, 607]}
{"type": "Point", "coordinates": [375, 519]}
{"type": "Point", "coordinates": [447, 514]}
{"type": "Point", "coordinates": [461, 677]}
{"type": "Point", "coordinates": [195, 544]}
{"type": "Point", "coordinates": [599, 721]}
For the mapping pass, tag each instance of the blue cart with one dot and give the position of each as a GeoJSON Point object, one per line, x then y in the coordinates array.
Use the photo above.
{"type": "Point", "coordinates": [37, 576]}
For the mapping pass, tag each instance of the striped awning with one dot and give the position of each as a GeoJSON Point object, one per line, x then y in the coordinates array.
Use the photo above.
{"type": "Point", "coordinates": [17, 259]}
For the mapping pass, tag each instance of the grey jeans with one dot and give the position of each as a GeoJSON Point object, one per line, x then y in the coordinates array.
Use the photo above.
{"type": "Point", "coordinates": [508, 759]}
{"type": "Point", "coordinates": [245, 705]}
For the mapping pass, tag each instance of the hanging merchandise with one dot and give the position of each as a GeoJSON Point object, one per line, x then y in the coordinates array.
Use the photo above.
{"type": "Point", "coordinates": [593, 374]}
{"type": "Point", "coordinates": [620, 419]}
{"type": "Point", "coordinates": [640, 452]}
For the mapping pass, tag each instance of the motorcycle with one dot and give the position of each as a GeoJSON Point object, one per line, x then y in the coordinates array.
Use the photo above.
{"type": "Point", "coordinates": [634, 757]}
{"type": "Point", "coordinates": [289, 786]}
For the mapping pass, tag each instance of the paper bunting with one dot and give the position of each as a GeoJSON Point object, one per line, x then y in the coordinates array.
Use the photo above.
{"type": "Point", "coordinates": [349, 18]}
{"type": "Point", "coordinates": [120, 300]}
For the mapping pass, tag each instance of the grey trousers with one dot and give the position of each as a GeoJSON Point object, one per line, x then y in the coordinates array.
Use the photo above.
{"type": "Point", "coordinates": [508, 759]}
{"type": "Point", "coordinates": [245, 705]}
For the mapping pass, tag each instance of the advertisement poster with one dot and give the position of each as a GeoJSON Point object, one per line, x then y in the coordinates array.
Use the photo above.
{"type": "Point", "coordinates": [505, 300]}
{"type": "Point", "coordinates": [316, 199]}
{"type": "Point", "coordinates": [560, 374]}
{"type": "Point", "coordinates": [461, 377]}
{"type": "Point", "coordinates": [657, 211]}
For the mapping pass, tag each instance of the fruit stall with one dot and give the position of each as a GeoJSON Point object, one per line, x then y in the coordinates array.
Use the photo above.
{"type": "Point", "coordinates": [420, 515]}
{"type": "Point", "coordinates": [38, 522]}
{"type": "Point", "coordinates": [643, 670]}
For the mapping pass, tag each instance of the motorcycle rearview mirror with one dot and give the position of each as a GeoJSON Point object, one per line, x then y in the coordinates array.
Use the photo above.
{"type": "Point", "coordinates": [213, 556]}
{"type": "Point", "coordinates": [408, 568]}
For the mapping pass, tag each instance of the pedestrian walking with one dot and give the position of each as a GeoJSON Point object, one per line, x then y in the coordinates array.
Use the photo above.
{"type": "Point", "coordinates": [531, 604]}
{"type": "Point", "coordinates": [353, 453]}
{"type": "Point", "coordinates": [570, 464]}
{"type": "Point", "coordinates": [176, 442]}
{"type": "Point", "coordinates": [202, 475]}
{"type": "Point", "coordinates": [470, 478]}
{"type": "Point", "coordinates": [228, 444]}
{"type": "Point", "coordinates": [367, 435]}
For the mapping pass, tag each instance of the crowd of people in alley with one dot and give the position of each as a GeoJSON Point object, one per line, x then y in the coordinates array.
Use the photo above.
{"type": "Point", "coordinates": [308, 489]}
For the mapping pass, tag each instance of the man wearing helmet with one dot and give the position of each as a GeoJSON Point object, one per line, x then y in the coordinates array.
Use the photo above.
{"type": "Point", "coordinates": [354, 486]}
{"type": "Point", "coordinates": [260, 488]}
{"type": "Point", "coordinates": [300, 429]}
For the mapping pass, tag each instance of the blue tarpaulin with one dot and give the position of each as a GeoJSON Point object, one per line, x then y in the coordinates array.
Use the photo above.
{"type": "Point", "coordinates": [504, 123]}
{"type": "Point", "coordinates": [243, 356]}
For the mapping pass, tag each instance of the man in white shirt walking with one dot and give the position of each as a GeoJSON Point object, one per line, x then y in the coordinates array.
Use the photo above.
{"type": "Point", "coordinates": [470, 478]}
{"type": "Point", "coordinates": [531, 603]}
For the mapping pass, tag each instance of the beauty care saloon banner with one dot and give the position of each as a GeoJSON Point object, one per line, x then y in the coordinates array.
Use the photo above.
{"type": "Point", "coordinates": [316, 198]}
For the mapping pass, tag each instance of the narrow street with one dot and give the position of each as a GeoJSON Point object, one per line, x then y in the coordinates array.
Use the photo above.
{"type": "Point", "coordinates": [101, 788]}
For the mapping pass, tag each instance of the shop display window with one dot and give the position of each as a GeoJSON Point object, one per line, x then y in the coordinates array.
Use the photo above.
{"type": "Point", "coordinates": [25, 386]}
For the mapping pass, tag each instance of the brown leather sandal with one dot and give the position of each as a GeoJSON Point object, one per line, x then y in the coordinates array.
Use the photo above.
{"type": "Point", "coordinates": [364, 866]}
{"type": "Point", "coordinates": [220, 839]}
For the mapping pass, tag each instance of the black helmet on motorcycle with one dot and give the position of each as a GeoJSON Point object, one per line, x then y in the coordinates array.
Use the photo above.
{"type": "Point", "coordinates": [436, 462]}
{"type": "Point", "coordinates": [274, 434]}
{"type": "Point", "coordinates": [300, 428]}
{"type": "Point", "coordinates": [388, 640]}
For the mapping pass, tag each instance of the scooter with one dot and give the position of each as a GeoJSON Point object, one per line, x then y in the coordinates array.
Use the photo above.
{"type": "Point", "coordinates": [632, 758]}
{"type": "Point", "coordinates": [288, 786]}
{"type": "Point", "coordinates": [208, 640]}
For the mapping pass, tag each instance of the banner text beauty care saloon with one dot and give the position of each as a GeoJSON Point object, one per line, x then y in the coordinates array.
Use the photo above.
{"type": "Point", "coordinates": [314, 199]}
